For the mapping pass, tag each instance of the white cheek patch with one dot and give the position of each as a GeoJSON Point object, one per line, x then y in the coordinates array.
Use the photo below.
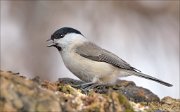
{"type": "Point", "coordinates": [70, 40]}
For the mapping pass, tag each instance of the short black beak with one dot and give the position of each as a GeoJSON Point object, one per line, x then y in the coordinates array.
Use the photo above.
{"type": "Point", "coordinates": [50, 43]}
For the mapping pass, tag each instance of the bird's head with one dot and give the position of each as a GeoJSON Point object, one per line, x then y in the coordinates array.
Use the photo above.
{"type": "Point", "coordinates": [64, 37]}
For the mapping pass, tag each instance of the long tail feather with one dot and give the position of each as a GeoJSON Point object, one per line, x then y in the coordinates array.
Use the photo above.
{"type": "Point", "coordinates": [139, 74]}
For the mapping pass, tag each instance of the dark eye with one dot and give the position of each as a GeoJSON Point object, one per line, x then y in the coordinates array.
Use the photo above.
{"type": "Point", "coordinates": [61, 35]}
{"type": "Point", "coordinates": [57, 36]}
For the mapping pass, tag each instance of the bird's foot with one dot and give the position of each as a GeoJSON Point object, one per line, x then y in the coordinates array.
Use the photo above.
{"type": "Point", "coordinates": [85, 87]}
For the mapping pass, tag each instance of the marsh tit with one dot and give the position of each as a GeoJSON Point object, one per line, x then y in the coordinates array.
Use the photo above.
{"type": "Point", "coordinates": [89, 62]}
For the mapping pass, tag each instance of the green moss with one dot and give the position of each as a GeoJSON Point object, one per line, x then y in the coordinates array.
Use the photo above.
{"type": "Point", "coordinates": [123, 100]}
{"type": "Point", "coordinates": [67, 89]}
{"type": "Point", "coordinates": [92, 109]}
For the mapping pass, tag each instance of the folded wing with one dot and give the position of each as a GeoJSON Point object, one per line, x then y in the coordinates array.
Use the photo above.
{"type": "Point", "coordinates": [95, 53]}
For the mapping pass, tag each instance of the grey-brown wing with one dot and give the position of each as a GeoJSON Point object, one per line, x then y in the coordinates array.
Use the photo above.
{"type": "Point", "coordinates": [94, 52]}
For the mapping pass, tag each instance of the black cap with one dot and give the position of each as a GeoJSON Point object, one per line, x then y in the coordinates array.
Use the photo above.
{"type": "Point", "coordinates": [63, 31]}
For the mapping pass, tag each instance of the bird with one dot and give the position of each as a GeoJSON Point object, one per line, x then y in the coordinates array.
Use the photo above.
{"type": "Point", "coordinates": [91, 63]}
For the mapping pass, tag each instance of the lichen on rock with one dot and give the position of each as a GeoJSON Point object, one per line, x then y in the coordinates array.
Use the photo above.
{"type": "Point", "coordinates": [18, 93]}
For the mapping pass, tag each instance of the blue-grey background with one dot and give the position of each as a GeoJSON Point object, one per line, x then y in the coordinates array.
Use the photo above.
{"type": "Point", "coordinates": [144, 33]}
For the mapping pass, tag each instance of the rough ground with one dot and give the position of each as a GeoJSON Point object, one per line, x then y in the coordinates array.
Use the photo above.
{"type": "Point", "coordinates": [18, 93]}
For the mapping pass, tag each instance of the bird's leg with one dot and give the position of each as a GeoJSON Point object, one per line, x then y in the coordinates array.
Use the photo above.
{"type": "Point", "coordinates": [87, 85]}
{"type": "Point", "coordinates": [84, 85]}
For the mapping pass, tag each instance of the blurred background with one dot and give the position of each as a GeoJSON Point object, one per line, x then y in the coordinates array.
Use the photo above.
{"type": "Point", "coordinates": [144, 33]}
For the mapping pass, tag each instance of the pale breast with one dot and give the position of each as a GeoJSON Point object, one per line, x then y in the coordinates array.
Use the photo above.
{"type": "Point", "coordinates": [88, 70]}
